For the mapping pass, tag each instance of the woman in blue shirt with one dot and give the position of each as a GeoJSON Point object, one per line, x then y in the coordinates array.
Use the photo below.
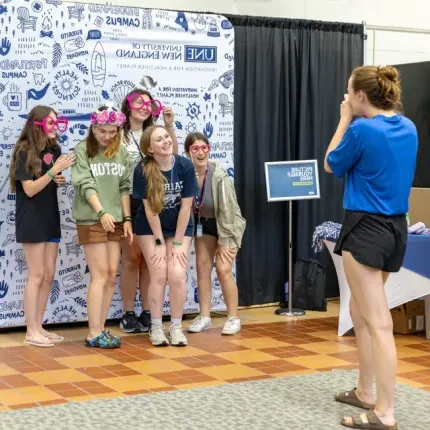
{"type": "Point", "coordinates": [167, 185]}
{"type": "Point", "coordinates": [377, 154]}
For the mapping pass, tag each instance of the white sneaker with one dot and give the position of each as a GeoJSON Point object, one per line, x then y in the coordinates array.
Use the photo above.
{"type": "Point", "coordinates": [232, 326]}
{"type": "Point", "coordinates": [199, 324]}
{"type": "Point", "coordinates": [177, 337]}
{"type": "Point", "coordinates": [157, 336]}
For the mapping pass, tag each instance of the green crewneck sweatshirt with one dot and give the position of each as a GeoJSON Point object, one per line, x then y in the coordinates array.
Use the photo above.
{"type": "Point", "coordinates": [109, 178]}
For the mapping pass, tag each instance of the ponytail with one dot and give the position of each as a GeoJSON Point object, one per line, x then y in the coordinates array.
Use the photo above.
{"type": "Point", "coordinates": [155, 181]}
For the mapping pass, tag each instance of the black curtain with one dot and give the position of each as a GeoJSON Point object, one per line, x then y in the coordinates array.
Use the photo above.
{"type": "Point", "coordinates": [415, 80]}
{"type": "Point", "coordinates": [290, 77]}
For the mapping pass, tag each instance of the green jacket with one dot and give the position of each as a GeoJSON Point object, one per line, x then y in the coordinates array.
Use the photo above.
{"type": "Point", "coordinates": [109, 178]}
{"type": "Point", "coordinates": [230, 223]}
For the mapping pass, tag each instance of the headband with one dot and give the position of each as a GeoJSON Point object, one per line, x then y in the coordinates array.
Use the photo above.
{"type": "Point", "coordinates": [107, 117]}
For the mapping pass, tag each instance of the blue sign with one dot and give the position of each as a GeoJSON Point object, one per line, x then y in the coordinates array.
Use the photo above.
{"type": "Point", "coordinates": [292, 180]}
{"type": "Point", "coordinates": [201, 54]}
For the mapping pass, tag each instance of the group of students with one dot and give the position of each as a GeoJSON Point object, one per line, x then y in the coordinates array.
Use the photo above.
{"type": "Point", "coordinates": [136, 200]}
{"type": "Point", "coordinates": [176, 198]}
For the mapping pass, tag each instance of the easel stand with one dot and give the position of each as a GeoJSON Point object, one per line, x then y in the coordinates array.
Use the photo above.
{"type": "Point", "coordinates": [290, 312]}
{"type": "Point", "coordinates": [291, 180]}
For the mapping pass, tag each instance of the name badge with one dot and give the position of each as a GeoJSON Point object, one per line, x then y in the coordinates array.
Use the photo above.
{"type": "Point", "coordinates": [199, 230]}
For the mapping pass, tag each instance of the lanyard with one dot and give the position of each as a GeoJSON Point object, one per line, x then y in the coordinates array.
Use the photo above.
{"type": "Point", "coordinates": [138, 147]}
{"type": "Point", "coordinates": [198, 201]}
{"type": "Point", "coordinates": [171, 172]}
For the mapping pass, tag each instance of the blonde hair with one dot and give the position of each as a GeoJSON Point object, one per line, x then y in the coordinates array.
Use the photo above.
{"type": "Point", "coordinates": [155, 179]}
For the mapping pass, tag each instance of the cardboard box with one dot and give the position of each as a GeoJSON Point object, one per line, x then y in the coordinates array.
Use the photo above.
{"type": "Point", "coordinates": [409, 317]}
{"type": "Point", "coordinates": [419, 206]}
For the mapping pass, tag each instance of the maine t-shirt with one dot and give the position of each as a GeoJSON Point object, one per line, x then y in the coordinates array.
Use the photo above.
{"type": "Point", "coordinates": [378, 155]}
{"type": "Point", "coordinates": [181, 183]}
{"type": "Point", "coordinates": [37, 218]}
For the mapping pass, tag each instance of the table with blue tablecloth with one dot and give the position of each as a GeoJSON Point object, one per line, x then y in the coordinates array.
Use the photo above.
{"type": "Point", "coordinates": [410, 283]}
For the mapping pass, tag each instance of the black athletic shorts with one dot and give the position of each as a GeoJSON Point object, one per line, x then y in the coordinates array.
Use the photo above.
{"type": "Point", "coordinates": [376, 241]}
{"type": "Point", "coordinates": [135, 205]}
{"type": "Point", "coordinates": [208, 226]}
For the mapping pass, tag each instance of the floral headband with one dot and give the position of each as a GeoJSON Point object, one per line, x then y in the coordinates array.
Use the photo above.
{"type": "Point", "coordinates": [107, 117]}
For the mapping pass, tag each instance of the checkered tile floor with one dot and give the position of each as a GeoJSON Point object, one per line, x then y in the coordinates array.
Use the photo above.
{"type": "Point", "coordinates": [70, 372]}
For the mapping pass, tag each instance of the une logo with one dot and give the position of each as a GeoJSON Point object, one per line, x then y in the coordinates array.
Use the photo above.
{"type": "Point", "coordinates": [4, 288]}
{"type": "Point", "coordinates": [201, 54]}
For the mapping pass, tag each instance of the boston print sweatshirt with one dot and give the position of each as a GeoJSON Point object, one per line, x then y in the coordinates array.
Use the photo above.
{"type": "Point", "coordinates": [109, 178]}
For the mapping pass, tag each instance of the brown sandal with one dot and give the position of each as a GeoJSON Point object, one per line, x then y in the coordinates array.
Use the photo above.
{"type": "Point", "coordinates": [374, 423]}
{"type": "Point", "coordinates": [350, 398]}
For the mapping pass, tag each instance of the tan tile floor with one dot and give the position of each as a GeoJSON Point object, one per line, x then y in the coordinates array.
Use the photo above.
{"type": "Point", "coordinates": [268, 346]}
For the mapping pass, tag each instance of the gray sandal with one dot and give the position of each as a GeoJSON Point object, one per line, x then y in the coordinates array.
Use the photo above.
{"type": "Point", "coordinates": [350, 398]}
{"type": "Point", "coordinates": [374, 423]}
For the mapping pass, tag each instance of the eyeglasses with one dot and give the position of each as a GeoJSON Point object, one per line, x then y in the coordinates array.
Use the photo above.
{"type": "Point", "coordinates": [196, 148]}
{"type": "Point", "coordinates": [49, 124]}
{"type": "Point", "coordinates": [137, 102]}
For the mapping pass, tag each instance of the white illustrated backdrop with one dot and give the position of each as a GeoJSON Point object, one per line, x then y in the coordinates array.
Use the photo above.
{"type": "Point", "coordinates": [75, 57]}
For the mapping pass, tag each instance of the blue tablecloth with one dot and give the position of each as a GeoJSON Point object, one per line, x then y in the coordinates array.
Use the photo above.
{"type": "Point", "coordinates": [417, 258]}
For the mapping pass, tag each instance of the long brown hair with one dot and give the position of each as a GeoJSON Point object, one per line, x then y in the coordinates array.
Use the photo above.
{"type": "Point", "coordinates": [93, 145]}
{"type": "Point", "coordinates": [126, 110]}
{"type": "Point", "coordinates": [32, 141]}
{"type": "Point", "coordinates": [155, 179]}
{"type": "Point", "coordinates": [381, 84]}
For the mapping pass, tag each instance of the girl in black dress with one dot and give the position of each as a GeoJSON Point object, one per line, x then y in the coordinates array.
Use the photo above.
{"type": "Point", "coordinates": [35, 174]}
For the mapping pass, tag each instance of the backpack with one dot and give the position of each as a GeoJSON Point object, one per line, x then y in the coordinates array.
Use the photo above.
{"type": "Point", "coordinates": [309, 286]}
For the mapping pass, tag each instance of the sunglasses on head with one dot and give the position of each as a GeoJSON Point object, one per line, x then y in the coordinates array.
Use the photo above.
{"type": "Point", "coordinates": [137, 102]}
{"type": "Point", "coordinates": [196, 148]}
{"type": "Point", "coordinates": [49, 124]}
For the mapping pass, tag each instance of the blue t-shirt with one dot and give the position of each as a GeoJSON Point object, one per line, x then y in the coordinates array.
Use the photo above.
{"type": "Point", "coordinates": [181, 183]}
{"type": "Point", "coordinates": [379, 157]}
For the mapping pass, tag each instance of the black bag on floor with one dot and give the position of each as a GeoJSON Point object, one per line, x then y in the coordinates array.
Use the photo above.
{"type": "Point", "coordinates": [309, 286]}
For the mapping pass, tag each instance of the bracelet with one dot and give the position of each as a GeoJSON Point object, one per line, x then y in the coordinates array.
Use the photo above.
{"type": "Point", "coordinates": [177, 243]}
{"type": "Point", "coordinates": [100, 213]}
{"type": "Point", "coordinates": [50, 174]}
{"type": "Point", "coordinates": [127, 218]}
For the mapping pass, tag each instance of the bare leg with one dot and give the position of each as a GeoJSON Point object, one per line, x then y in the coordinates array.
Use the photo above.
{"type": "Point", "coordinates": [96, 255]}
{"type": "Point", "coordinates": [228, 285]}
{"type": "Point", "coordinates": [177, 278]}
{"type": "Point", "coordinates": [113, 254]}
{"type": "Point", "coordinates": [367, 289]}
{"type": "Point", "coordinates": [158, 277]}
{"type": "Point", "coordinates": [35, 258]}
{"type": "Point", "coordinates": [131, 260]}
{"type": "Point", "coordinates": [365, 354]}
{"type": "Point", "coordinates": [205, 254]}
{"type": "Point", "coordinates": [51, 252]}
{"type": "Point", "coordinates": [144, 284]}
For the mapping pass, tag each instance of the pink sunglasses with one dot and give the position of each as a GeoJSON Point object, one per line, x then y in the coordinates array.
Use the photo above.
{"type": "Point", "coordinates": [49, 124]}
{"type": "Point", "coordinates": [137, 102]}
{"type": "Point", "coordinates": [196, 148]}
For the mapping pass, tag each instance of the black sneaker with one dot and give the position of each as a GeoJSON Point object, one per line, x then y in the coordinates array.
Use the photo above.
{"type": "Point", "coordinates": [130, 323]}
{"type": "Point", "coordinates": [145, 321]}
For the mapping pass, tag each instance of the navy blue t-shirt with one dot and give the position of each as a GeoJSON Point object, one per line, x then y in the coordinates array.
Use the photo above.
{"type": "Point", "coordinates": [378, 155]}
{"type": "Point", "coordinates": [181, 183]}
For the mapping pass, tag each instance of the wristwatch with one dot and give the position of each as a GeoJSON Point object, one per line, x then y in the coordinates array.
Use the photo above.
{"type": "Point", "coordinates": [158, 242]}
